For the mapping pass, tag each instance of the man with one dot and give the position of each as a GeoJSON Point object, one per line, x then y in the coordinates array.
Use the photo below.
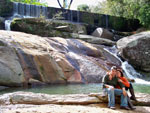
{"type": "Point", "coordinates": [110, 81]}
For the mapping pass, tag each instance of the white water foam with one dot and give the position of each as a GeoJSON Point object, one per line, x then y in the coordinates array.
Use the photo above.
{"type": "Point", "coordinates": [7, 25]}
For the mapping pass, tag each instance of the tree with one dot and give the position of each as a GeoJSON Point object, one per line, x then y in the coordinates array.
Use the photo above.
{"type": "Point", "coordinates": [133, 9]}
{"type": "Point", "coordinates": [65, 4]}
{"type": "Point", "coordinates": [33, 2]}
{"type": "Point", "coordinates": [83, 7]}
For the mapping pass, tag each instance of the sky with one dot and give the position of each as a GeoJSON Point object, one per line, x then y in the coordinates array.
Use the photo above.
{"type": "Point", "coordinates": [75, 3]}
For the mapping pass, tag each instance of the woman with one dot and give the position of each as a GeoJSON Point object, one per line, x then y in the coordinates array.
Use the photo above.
{"type": "Point", "coordinates": [128, 85]}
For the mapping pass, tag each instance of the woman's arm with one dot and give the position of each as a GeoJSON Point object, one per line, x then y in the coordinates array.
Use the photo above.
{"type": "Point", "coordinates": [125, 81]}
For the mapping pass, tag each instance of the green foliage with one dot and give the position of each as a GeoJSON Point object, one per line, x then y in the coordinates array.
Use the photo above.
{"type": "Point", "coordinates": [144, 15]}
{"type": "Point", "coordinates": [133, 9]}
{"type": "Point", "coordinates": [83, 7]}
{"type": "Point", "coordinates": [33, 2]}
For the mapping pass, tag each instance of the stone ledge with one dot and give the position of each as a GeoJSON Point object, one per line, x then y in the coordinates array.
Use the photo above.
{"type": "Point", "coordinates": [72, 99]}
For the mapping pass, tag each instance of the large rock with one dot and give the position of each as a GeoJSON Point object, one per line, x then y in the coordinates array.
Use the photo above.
{"type": "Point", "coordinates": [103, 33]}
{"type": "Point", "coordinates": [11, 73]}
{"type": "Point", "coordinates": [136, 50]}
{"type": "Point", "coordinates": [96, 40]}
{"type": "Point", "coordinates": [55, 28]}
{"type": "Point", "coordinates": [43, 27]}
{"type": "Point", "coordinates": [30, 59]}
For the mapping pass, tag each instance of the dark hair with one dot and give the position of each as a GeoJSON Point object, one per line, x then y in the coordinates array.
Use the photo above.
{"type": "Point", "coordinates": [120, 72]}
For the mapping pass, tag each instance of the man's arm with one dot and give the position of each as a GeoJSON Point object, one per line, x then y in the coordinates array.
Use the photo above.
{"type": "Point", "coordinates": [104, 81]}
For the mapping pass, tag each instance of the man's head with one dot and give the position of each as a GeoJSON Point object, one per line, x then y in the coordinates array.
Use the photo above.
{"type": "Point", "coordinates": [113, 70]}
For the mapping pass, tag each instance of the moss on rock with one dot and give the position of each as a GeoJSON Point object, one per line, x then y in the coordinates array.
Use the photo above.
{"type": "Point", "coordinates": [50, 28]}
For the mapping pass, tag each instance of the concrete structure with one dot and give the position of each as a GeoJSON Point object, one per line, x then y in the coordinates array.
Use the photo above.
{"type": "Point", "coordinates": [92, 20]}
{"type": "Point", "coordinates": [5, 8]}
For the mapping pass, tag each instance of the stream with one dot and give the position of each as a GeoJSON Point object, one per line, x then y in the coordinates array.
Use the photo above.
{"type": "Point", "coordinates": [140, 85]}
{"type": "Point", "coordinates": [72, 89]}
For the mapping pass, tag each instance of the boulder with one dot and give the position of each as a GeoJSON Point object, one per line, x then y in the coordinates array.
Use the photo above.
{"type": "Point", "coordinates": [136, 50]}
{"type": "Point", "coordinates": [31, 59]}
{"type": "Point", "coordinates": [11, 73]}
{"type": "Point", "coordinates": [103, 33]}
{"type": "Point", "coordinates": [96, 40]}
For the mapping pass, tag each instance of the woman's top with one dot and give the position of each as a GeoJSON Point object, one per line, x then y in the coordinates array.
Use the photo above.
{"type": "Point", "coordinates": [124, 81]}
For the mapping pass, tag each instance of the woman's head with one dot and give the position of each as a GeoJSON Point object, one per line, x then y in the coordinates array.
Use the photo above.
{"type": "Point", "coordinates": [119, 73]}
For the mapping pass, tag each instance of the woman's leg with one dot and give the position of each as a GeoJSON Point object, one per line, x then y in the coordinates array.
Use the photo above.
{"type": "Point", "coordinates": [130, 103]}
{"type": "Point", "coordinates": [132, 92]}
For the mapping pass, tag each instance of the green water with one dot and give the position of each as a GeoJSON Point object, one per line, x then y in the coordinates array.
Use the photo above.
{"type": "Point", "coordinates": [72, 89]}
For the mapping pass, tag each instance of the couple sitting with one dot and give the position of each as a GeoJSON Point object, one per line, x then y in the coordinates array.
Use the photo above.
{"type": "Point", "coordinates": [114, 83]}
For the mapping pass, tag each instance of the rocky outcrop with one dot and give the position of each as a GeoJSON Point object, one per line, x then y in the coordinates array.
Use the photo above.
{"type": "Point", "coordinates": [55, 28]}
{"type": "Point", "coordinates": [136, 50]}
{"type": "Point", "coordinates": [42, 103]}
{"type": "Point", "coordinates": [48, 28]}
{"type": "Point", "coordinates": [103, 33]}
{"type": "Point", "coordinates": [11, 73]}
{"type": "Point", "coordinates": [33, 59]}
{"type": "Point", "coordinates": [76, 99]}
{"type": "Point", "coordinates": [96, 40]}
{"type": "Point", "coordinates": [52, 108]}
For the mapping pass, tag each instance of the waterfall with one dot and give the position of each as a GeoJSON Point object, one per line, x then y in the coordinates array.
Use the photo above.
{"type": "Point", "coordinates": [21, 10]}
{"type": "Point", "coordinates": [129, 71]}
{"type": "Point", "coordinates": [7, 25]}
{"type": "Point", "coordinates": [29, 10]}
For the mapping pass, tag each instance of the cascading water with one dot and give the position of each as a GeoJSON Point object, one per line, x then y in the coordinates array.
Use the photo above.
{"type": "Point", "coordinates": [7, 24]}
{"type": "Point", "coordinates": [28, 10]}
{"type": "Point", "coordinates": [130, 72]}
{"type": "Point", "coordinates": [21, 10]}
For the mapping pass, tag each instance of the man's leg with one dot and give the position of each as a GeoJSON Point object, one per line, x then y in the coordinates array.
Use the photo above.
{"type": "Point", "coordinates": [111, 97]}
{"type": "Point", "coordinates": [123, 98]}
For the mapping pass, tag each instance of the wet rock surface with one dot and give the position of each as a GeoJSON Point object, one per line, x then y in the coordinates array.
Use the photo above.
{"type": "Point", "coordinates": [51, 60]}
